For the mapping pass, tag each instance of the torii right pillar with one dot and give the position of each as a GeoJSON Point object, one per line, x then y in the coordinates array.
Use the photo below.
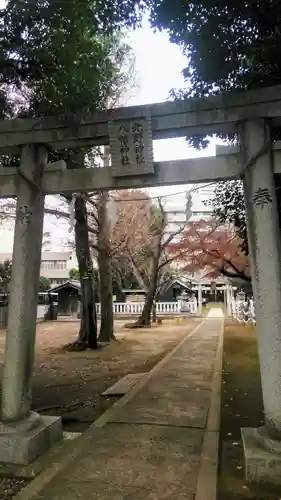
{"type": "Point", "coordinates": [262, 446]}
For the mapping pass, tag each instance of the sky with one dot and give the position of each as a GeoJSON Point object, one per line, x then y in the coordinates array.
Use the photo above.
{"type": "Point", "coordinates": [159, 65]}
{"type": "Point", "coordinates": [158, 69]}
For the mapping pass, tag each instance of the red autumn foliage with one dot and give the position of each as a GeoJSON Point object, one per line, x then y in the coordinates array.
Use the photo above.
{"type": "Point", "coordinates": [132, 229]}
{"type": "Point", "coordinates": [215, 249]}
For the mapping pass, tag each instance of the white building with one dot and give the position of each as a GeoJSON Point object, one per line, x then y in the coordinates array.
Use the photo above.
{"type": "Point", "coordinates": [54, 265]}
{"type": "Point", "coordinates": [175, 207]}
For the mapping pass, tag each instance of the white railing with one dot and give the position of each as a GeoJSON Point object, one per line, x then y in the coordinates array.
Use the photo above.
{"type": "Point", "coordinates": [129, 308]}
{"type": "Point", "coordinates": [243, 311]}
{"type": "Point", "coordinates": [190, 307]}
{"type": "Point", "coordinates": [167, 307]}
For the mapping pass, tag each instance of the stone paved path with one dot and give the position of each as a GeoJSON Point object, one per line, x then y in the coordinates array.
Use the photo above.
{"type": "Point", "coordinates": [150, 449]}
{"type": "Point", "coordinates": [215, 312]}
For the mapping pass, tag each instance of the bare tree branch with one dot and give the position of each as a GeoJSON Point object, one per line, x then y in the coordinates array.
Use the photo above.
{"type": "Point", "coordinates": [172, 236]}
{"type": "Point", "coordinates": [57, 213]}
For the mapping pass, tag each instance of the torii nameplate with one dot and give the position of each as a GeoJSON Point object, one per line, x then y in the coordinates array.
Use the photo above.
{"type": "Point", "coordinates": [131, 147]}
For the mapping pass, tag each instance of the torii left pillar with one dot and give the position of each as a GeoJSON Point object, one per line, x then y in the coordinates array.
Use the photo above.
{"type": "Point", "coordinates": [24, 435]}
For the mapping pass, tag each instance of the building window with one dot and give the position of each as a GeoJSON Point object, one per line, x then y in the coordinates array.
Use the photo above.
{"type": "Point", "coordinates": [53, 264]}
{"type": "Point", "coordinates": [60, 264]}
{"type": "Point", "coordinates": [47, 264]}
{"type": "Point", "coordinates": [58, 281]}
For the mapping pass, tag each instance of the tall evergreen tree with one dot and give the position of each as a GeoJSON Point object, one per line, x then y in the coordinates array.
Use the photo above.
{"type": "Point", "coordinates": [229, 44]}
{"type": "Point", "coordinates": [69, 58]}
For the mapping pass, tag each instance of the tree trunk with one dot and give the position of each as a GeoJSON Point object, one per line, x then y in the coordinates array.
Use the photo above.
{"type": "Point", "coordinates": [154, 315]}
{"type": "Point", "coordinates": [145, 317]}
{"type": "Point", "coordinates": [105, 272]}
{"type": "Point", "coordinates": [87, 337]}
{"type": "Point", "coordinates": [51, 311]}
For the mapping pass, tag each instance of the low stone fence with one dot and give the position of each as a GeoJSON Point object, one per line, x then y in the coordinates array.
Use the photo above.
{"type": "Point", "coordinates": [162, 308]}
{"type": "Point", "coordinates": [123, 309]}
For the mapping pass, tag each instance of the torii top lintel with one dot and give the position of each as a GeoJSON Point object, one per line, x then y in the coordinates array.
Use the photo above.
{"type": "Point", "coordinates": [210, 115]}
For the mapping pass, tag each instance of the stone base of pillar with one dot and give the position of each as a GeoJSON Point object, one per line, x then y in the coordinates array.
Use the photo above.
{"type": "Point", "coordinates": [262, 461]}
{"type": "Point", "coordinates": [21, 443]}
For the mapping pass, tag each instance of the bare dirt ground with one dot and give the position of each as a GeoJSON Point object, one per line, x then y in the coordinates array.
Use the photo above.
{"type": "Point", "coordinates": [70, 384]}
{"type": "Point", "coordinates": [241, 407]}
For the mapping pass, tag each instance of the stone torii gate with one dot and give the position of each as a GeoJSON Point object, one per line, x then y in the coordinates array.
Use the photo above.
{"type": "Point", "coordinates": [129, 132]}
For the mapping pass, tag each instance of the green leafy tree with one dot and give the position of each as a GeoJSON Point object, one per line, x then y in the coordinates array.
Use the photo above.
{"type": "Point", "coordinates": [67, 58]}
{"type": "Point", "coordinates": [228, 206]}
{"type": "Point", "coordinates": [74, 274]}
{"type": "Point", "coordinates": [5, 275]}
{"type": "Point", "coordinates": [230, 44]}
{"type": "Point", "coordinates": [42, 42]}
{"type": "Point", "coordinates": [44, 284]}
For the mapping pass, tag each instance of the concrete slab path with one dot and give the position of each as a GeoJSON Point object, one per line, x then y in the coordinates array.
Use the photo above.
{"type": "Point", "coordinates": [149, 446]}
{"type": "Point", "coordinates": [215, 312]}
